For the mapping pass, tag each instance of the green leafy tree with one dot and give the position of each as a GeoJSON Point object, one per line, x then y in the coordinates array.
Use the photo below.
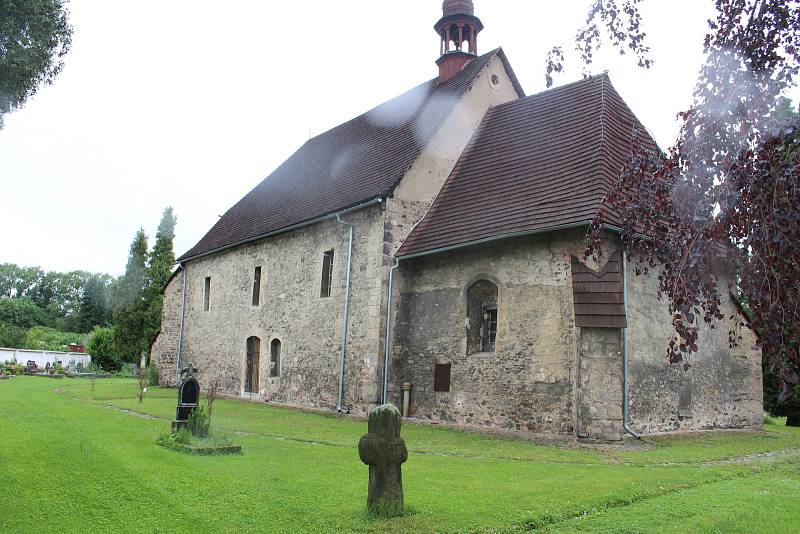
{"type": "Point", "coordinates": [12, 337]}
{"type": "Point", "coordinates": [23, 313]}
{"type": "Point", "coordinates": [16, 281]}
{"type": "Point", "coordinates": [34, 36]}
{"type": "Point", "coordinates": [102, 349]}
{"type": "Point", "coordinates": [162, 260]}
{"type": "Point", "coordinates": [129, 305]}
{"type": "Point", "coordinates": [46, 338]}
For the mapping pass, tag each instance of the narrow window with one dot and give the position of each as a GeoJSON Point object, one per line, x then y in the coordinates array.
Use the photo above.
{"type": "Point", "coordinates": [327, 274]}
{"type": "Point", "coordinates": [257, 286]}
{"type": "Point", "coordinates": [252, 359]}
{"type": "Point", "coordinates": [441, 377]}
{"type": "Point", "coordinates": [481, 317]}
{"type": "Point", "coordinates": [275, 358]}
{"type": "Point", "coordinates": [207, 293]}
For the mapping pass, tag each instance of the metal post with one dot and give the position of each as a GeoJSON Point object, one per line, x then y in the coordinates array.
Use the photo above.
{"type": "Point", "coordinates": [388, 340]}
{"type": "Point", "coordinates": [625, 424]}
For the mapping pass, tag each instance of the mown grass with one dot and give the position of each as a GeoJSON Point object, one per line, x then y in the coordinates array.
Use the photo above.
{"type": "Point", "coordinates": [70, 464]}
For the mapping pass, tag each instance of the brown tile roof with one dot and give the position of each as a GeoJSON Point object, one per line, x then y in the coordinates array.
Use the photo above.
{"type": "Point", "coordinates": [598, 296]}
{"type": "Point", "coordinates": [536, 163]}
{"type": "Point", "coordinates": [355, 162]}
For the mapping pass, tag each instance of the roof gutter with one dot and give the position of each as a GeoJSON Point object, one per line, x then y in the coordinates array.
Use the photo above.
{"type": "Point", "coordinates": [284, 230]}
{"type": "Point", "coordinates": [387, 339]}
{"type": "Point", "coordinates": [340, 406]}
{"type": "Point", "coordinates": [625, 425]}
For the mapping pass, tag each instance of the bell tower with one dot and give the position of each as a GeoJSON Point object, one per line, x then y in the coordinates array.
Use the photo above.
{"type": "Point", "coordinates": [459, 27]}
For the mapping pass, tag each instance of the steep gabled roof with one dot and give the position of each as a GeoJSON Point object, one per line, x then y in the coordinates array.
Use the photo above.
{"type": "Point", "coordinates": [541, 162]}
{"type": "Point", "coordinates": [355, 162]}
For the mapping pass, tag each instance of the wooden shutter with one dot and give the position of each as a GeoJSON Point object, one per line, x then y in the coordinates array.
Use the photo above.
{"type": "Point", "coordinates": [441, 377]}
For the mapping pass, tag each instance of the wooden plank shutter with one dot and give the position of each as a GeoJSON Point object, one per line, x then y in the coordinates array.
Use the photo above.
{"type": "Point", "coordinates": [441, 377]}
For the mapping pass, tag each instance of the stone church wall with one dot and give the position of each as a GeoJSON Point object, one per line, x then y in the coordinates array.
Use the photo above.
{"type": "Point", "coordinates": [165, 347]}
{"type": "Point", "coordinates": [546, 375]}
{"type": "Point", "coordinates": [721, 389]}
{"type": "Point", "coordinates": [599, 391]}
{"type": "Point", "coordinates": [292, 311]}
{"type": "Point", "coordinates": [527, 383]}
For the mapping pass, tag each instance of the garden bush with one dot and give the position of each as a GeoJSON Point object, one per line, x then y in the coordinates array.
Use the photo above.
{"type": "Point", "coordinates": [199, 423]}
{"type": "Point", "coordinates": [46, 338]}
{"type": "Point", "coordinates": [152, 375]}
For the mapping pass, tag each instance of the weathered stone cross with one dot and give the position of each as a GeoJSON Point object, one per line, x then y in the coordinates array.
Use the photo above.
{"type": "Point", "coordinates": [384, 451]}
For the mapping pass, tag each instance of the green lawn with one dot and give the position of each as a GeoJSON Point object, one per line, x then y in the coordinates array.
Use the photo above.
{"type": "Point", "coordinates": [72, 461]}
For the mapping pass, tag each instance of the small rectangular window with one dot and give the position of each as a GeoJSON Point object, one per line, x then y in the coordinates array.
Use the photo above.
{"type": "Point", "coordinates": [441, 377]}
{"type": "Point", "coordinates": [207, 293]}
{"type": "Point", "coordinates": [327, 274]}
{"type": "Point", "coordinates": [257, 286]}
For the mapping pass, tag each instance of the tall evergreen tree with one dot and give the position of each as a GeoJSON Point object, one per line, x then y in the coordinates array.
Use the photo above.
{"type": "Point", "coordinates": [95, 307]}
{"type": "Point", "coordinates": [129, 302]}
{"type": "Point", "coordinates": [162, 260]}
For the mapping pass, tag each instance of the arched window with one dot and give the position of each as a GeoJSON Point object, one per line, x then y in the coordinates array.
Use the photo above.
{"type": "Point", "coordinates": [252, 360]}
{"type": "Point", "coordinates": [481, 317]}
{"type": "Point", "coordinates": [275, 358]}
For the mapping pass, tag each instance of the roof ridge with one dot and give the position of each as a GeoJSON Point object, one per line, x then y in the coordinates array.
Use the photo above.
{"type": "Point", "coordinates": [552, 90]}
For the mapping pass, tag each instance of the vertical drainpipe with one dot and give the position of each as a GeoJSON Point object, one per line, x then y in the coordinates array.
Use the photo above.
{"type": "Point", "coordinates": [340, 403]}
{"type": "Point", "coordinates": [625, 424]}
{"type": "Point", "coordinates": [387, 342]}
{"type": "Point", "coordinates": [180, 331]}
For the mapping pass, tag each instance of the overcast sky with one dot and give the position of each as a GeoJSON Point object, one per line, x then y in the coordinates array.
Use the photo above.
{"type": "Point", "coordinates": [191, 103]}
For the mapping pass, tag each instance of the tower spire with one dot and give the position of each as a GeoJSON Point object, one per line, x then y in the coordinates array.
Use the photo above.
{"type": "Point", "coordinates": [460, 27]}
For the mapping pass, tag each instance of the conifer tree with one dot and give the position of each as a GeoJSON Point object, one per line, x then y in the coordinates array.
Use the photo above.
{"type": "Point", "coordinates": [129, 302]}
{"type": "Point", "coordinates": [162, 260]}
{"type": "Point", "coordinates": [95, 309]}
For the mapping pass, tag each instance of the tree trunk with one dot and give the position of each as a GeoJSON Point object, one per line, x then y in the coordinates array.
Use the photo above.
{"type": "Point", "coordinates": [793, 420]}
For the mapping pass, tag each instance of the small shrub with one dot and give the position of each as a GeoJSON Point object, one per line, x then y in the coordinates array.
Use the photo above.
{"type": "Point", "coordinates": [128, 370]}
{"type": "Point", "coordinates": [152, 375]}
{"type": "Point", "coordinates": [199, 423]}
{"type": "Point", "coordinates": [101, 347]}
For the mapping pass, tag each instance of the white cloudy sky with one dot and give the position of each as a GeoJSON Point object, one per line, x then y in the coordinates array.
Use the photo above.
{"type": "Point", "coordinates": [190, 103]}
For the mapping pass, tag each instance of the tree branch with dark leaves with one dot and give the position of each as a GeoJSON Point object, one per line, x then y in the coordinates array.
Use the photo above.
{"type": "Point", "coordinates": [724, 201]}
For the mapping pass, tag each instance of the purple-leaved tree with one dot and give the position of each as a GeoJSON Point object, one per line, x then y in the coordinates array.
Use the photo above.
{"type": "Point", "coordinates": [725, 197]}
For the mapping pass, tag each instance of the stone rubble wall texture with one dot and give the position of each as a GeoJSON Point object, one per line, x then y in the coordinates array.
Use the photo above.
{"type": "Point", "coordinates": [165, 346]}
{"type": "Point", "coordinates": [528, 382]}
{"type": "Point", "coordinates": [546, 375]}
{"type": "Point", "coordinates": [599, 392]}
{"type": "Point", "coordinates": [291, 310]}
{"type": "Point", "coordinates": [721, 389]}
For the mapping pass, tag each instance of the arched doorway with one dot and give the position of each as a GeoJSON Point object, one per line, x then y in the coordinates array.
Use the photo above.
{"type": "Point", "coordinates": [251, 365]}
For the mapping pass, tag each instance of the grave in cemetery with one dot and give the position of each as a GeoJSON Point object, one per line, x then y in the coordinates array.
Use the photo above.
{"type": "Point", "coordinates": [188, 397]}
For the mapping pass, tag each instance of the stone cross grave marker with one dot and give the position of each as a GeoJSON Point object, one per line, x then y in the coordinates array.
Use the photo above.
{"type": "Point", "coordinates": [384, 451]}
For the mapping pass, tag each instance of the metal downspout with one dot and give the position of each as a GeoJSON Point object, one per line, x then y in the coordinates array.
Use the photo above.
{"type": "Point", "coordinates": [340, 403]}
{"type": "Point", "coordinates": [625, 424]}
{"type": "Point", "coordinates": [180, 331]}
{"type": "Point", "coordinates": [387, 342]}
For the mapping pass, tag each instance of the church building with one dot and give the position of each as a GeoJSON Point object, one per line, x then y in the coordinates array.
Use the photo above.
{"type": "Point", "coordinates": [433, 248]}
